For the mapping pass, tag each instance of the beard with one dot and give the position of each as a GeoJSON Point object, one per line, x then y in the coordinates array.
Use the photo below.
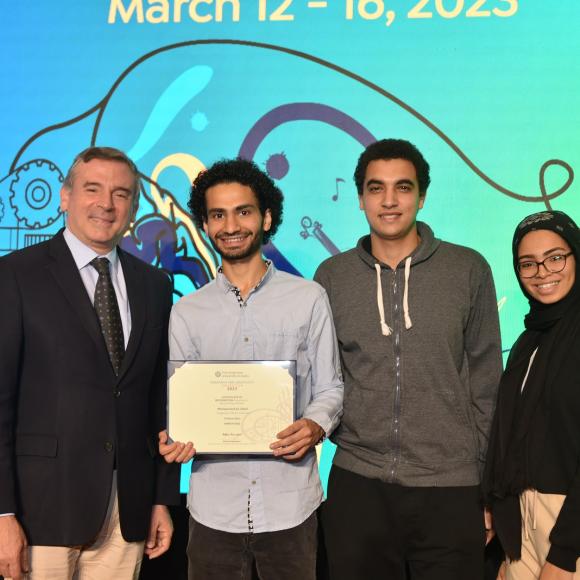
{"type": "Point", "coordinates": [241, 253]}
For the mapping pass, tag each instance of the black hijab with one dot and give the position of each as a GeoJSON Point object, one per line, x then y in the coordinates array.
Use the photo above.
{"type": "Point", "coordinates": [553, 329]}
{"type": "Point", "coordinates": [543, 316]}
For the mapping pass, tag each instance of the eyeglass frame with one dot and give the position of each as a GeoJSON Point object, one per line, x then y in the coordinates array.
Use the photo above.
{"type": "Point", "coordinates": [543, 263]}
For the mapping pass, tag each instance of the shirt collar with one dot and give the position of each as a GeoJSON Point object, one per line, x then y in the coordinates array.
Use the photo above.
{"type": "Point", "coordinates": [83, 254]}
{"type": "Point", "coordinates": [226, 286]}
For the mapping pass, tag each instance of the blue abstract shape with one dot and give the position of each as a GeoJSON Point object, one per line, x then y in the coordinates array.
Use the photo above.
{"type": "Point", "coordinates": [154, 241]}
{"type": "Point", "coordinates": [199, 121]}
{"type": "Point", "coordinates": [186, 86]}
{"type": "Point", "coordinates": [273, 254]}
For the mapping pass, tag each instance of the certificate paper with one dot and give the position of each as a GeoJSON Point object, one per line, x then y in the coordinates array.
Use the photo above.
{"type": "Point", "coordinates": [230, 406]}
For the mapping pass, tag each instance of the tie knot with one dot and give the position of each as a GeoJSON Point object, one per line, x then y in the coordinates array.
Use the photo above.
{"type": "Point", "coordinates": [101, 265]}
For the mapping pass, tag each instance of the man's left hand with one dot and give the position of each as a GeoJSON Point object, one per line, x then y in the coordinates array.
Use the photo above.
{"type": "Point", "coordinates": [160, 532]}
{"type": "Point", "coordinates": [294, 441]}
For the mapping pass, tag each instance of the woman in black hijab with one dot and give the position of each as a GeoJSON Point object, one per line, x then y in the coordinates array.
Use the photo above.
{"type": "Point", "coordinates": [532, 476]}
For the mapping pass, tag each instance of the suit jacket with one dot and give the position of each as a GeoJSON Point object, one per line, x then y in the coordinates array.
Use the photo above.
{"type": "Point", "coordinates": [66, 420]}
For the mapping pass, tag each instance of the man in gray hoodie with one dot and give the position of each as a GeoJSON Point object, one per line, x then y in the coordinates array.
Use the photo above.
{"type": "Point", "coordinates": [418, 331]}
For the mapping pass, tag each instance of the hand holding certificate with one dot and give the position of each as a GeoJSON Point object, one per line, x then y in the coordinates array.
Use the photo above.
{"type": "Point", "coordinates": [231, 406]}
{"type": "Point", "coordinates": [294, 441]}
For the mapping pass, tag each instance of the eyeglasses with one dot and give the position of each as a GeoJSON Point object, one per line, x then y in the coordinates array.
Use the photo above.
{"type": "Point", "coordinates": [552, 264]}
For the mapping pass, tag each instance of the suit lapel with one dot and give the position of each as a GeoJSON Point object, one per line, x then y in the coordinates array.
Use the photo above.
{"type": "Point", "coordinates": [137, 304]}
{"type": "Point", "coordinates": [67, 276]}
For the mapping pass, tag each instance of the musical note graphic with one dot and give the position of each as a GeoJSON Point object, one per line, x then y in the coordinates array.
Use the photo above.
{"type": "Point", "coordinates": [338, 180]}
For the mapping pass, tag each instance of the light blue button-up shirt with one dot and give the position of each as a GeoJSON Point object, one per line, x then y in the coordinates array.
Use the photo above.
{"type": "Point", "coordinates": [284, 318]}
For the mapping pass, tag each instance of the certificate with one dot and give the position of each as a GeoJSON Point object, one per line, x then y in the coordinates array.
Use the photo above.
{"type": "Point", "coordinates": [230, 406]}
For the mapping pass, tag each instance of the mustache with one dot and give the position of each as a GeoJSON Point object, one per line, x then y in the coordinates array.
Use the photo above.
{"type": "Point", "coordinates": [236, 235]}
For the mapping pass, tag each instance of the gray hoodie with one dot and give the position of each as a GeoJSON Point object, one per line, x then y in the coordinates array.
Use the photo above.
{"type": "Point", "coordinates": [421, 358]}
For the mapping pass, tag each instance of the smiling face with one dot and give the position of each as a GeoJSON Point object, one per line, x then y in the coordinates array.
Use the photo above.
{"type": "Point", "coordinates": [546, 287]}
{"type": "Point", "coordinates": [390, 199]}
{"type": "Point", "coordinates": [100, 203]}
{"type": "Point", "coordinates": [235, 224]}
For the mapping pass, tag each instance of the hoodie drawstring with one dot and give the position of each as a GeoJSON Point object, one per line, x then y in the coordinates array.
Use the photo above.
{"type": "Point", "coordinates": [385, 329]}
{"type": "Point", "coordinates": [408, 322]}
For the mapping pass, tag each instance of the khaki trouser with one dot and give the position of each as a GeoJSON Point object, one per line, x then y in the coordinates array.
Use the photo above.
{"type": "Point", "coordinates": [539, 514]}
{"type": "Point", "coordinates": [109, 557]}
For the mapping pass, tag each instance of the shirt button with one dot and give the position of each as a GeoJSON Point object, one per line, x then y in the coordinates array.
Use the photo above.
{"type": "Point", "coordinates": [117, 393]}
{"type": "Point", "coordinates": [108, 447]}
{"type": "Point", "coordinates": [254, 482]}
{"type": "Point", "coordinates": [246, 339]}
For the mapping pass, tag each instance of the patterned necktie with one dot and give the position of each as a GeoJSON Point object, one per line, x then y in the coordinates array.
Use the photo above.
{"type": "Point", "coordinates": [107, 310]}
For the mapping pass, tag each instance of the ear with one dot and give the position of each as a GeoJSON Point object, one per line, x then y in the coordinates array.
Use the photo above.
{"type": "Point", "coordinates": [422, 200]}
{"type": "Point", "coordinates": [361, 204]}
{"type": "Point", "coordinates": [64, 197]}
{"type": "Point", "coordinates": [205, 228]}
{"type": "Point", "coordinates": [267, 221]}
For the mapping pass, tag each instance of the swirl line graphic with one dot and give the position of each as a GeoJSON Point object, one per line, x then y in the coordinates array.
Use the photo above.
{"type": "Point", "coordinates": [303, 112]}
{"type": "Point", "coordinates": [545, 197]}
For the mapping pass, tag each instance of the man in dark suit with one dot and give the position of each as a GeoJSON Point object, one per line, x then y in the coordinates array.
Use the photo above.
{"type": "Point", "coordinates": [83, 346]}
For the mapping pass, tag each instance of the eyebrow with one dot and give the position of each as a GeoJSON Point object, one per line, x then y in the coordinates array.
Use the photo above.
{"type": "Point", "coordinates": [97, 184]}
{"type": "Point", "coordinates": [237, 208]}
{"type": "Point", "coordinates": [404, 181]}
{"type": "Point", "coordinates": [546, 253]}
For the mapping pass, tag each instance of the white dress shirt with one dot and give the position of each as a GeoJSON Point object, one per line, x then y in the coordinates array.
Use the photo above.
{"type": "Point", "coordinates": [83, 255]}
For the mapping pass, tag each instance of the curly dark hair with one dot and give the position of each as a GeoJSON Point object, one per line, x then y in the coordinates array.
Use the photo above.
{"type": "Point", "coordinates": [393, 149]}
{"type": "Point", "coordinates": [246, 173]}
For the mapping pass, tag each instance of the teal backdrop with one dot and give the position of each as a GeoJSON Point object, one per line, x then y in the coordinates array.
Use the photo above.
{"type": "Point", "coordinates": [489, 90]}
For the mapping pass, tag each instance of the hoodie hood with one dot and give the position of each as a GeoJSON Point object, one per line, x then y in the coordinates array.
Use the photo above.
{"type": "Point", "coordinates": [426, 248]}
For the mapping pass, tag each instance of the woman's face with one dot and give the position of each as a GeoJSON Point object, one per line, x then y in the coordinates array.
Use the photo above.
{"type": "Point", "coordinates": [545, 286]}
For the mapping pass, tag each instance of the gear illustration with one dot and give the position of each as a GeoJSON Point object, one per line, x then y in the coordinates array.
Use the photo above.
{"type": "Point", "coordinates": [35, 193]}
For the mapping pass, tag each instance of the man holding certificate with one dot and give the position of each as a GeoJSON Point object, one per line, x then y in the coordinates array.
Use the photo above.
{"type": "Point", "coordinates": [251, 506]}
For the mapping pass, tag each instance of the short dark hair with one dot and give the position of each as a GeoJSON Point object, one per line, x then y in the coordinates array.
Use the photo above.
{"type": "Point", "coordinates": [393, 149]}
{"type": "Point", "coordinates": [246, 173]}
{"type": "Point", "coordinates": [105, 154]}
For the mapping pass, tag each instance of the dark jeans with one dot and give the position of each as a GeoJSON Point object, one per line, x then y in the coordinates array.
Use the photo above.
{"type": "Point", "coordinates": [375, 530]}
{"type": "Point", "coordinates": [282, 555]}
